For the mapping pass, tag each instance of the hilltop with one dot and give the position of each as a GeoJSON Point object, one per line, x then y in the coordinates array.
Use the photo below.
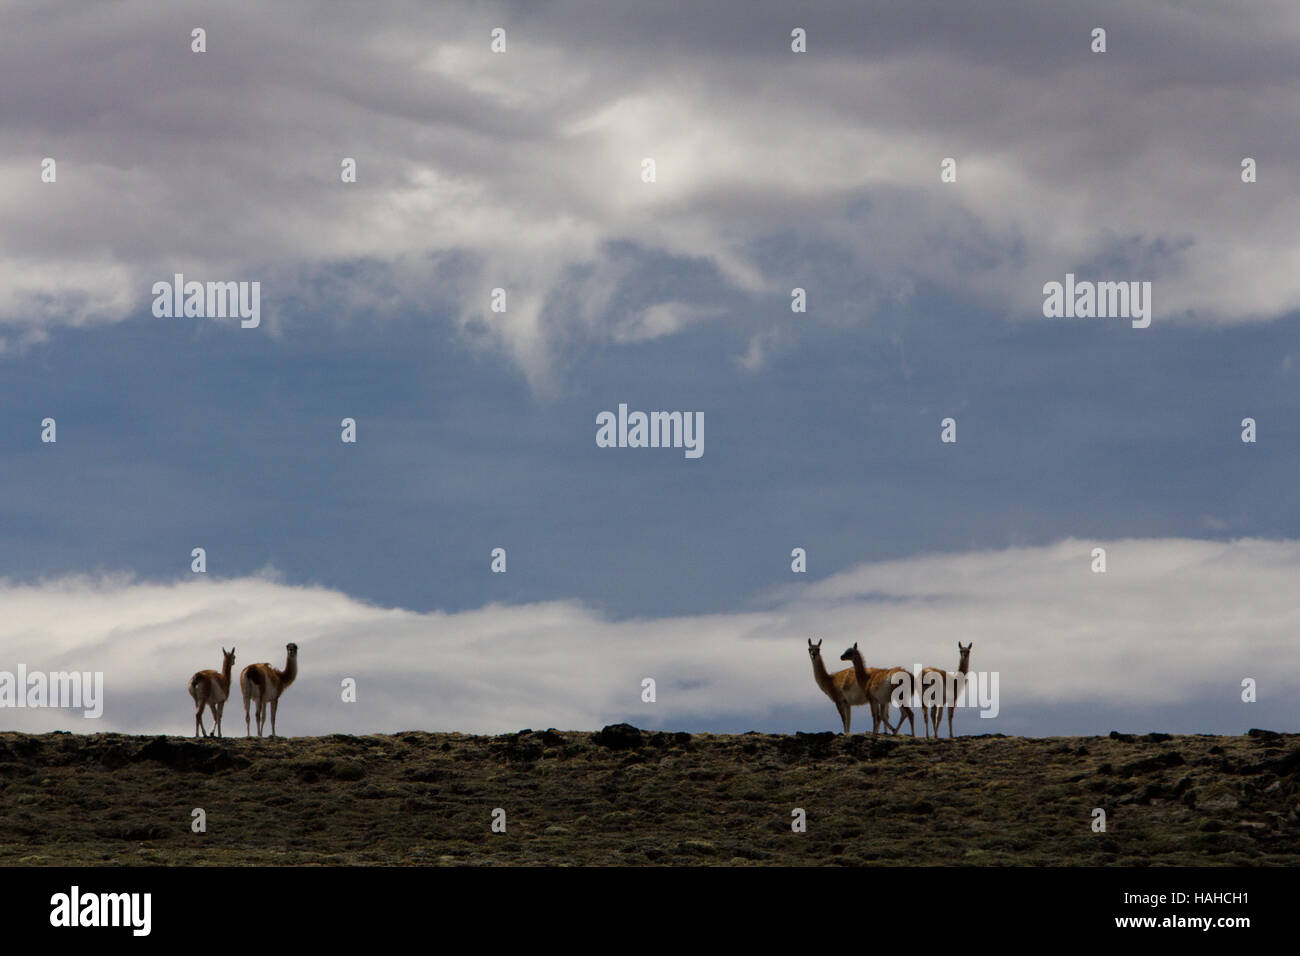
{"type": "Point", "coordinates": [623, 796]}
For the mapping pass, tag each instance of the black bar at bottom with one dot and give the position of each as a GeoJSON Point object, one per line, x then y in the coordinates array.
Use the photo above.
{"type": "Point", "coordinates": [335, 904]}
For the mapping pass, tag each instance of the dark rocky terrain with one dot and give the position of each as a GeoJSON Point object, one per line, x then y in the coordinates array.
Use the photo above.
{"type": "Point", "coordinates": [623, 796]}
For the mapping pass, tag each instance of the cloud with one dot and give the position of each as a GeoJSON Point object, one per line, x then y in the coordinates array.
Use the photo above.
{"type": "Point", "coordinates": [1171, 623]}
{"type": "Point", "coordinates": [525, 166]}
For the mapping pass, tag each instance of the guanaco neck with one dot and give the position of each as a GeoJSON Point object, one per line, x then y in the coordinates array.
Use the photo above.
{"type": "Point", "coordinates": [859, 668]}
{"type": "Point", "coordinates": [226, 664]}
{"type": "Point", "coordinates": [819, 672]}
{"type": "Point", "coordinates": [290, 671]}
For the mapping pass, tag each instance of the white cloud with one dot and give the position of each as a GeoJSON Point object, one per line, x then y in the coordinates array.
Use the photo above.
{"type": "Point", "coordinates": [527, 163]}
{"type": "Point", "coordinates": [1168, 620]}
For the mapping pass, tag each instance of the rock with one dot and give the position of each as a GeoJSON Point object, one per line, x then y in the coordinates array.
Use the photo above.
{"type": "Point", "coordinates": [618, 737]}
{"type": "Point", "coordinates": [517, 750]}
{"type": "Point", "coordinates": [189, 756]}
{"type": "Point", "coordinates": [1126, 738]}
{"type": "Point", "coordinates": [1156, 738]}
{"type": "Point", "coordinates": [1285, 766]}
{"type": "Point", "coordinates": [1263, 734]}
{"type": "Point", "coordinates": [678, 739]}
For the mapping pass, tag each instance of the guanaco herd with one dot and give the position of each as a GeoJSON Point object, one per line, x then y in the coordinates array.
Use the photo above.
{"type": "Point", "coordinates": [260, 684]}
{"type": "Point", "coordinates": [876, 686]}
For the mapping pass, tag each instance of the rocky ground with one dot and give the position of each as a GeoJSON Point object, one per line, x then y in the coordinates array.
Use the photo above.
{"type": "Point", "coordinates": [623, 796]}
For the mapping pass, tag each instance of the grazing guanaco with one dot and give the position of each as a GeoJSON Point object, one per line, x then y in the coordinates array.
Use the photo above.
{"type": "Point", "coordinates": [210, 689]}
{"type": "Point", "coordinates": [841, 687]}
{"type": "Point", "coordinates": [263, 684]}
{"type": "Point", "coordinates": [948, 694]}
{"type": "Point", "coordinates": [878, 685]}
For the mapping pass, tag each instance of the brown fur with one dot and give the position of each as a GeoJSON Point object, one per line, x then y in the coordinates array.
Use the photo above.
{"type": "Point", "coordinates": [947, 694]}
{"type": "Point", "coordinates": [211, 689]}
{"type": "Point", "coordinates": [263, 684]}
{"type": "Point", "coordinates": [878, 686]}
{"type": "Point", "coordinates": [842, 688]}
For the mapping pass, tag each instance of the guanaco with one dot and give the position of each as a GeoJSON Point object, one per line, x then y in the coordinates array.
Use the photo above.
{"type": "Point", "coordinates": [932, 702]}
{"type": "Point", "coordinates": [210, 689]}
{"type": "Point", "coordinates": [878, 686]}
{"type": "Point", "coordinates": [263, 684]}
{"type": "Point", "coordinates": [841, 687]}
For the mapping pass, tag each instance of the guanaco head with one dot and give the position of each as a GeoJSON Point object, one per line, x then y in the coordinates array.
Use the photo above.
{"type": "Point", "coordinates": [292, 648]}
{"type": "Point", "coordinates": [228, 657]}
{"type": "Point", "coordinates": [848, 655]}
{"type": "Point", "coordinates": [965, 655]}
{"type": "Point", "coordinates": [814, 650]}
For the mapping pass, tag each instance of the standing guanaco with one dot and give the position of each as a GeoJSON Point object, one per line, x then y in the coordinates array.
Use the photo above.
{"type": "Point", "coordinates": [932, 701]}
{"type": "Point", "coordinates": [263, 684]}
{"type": "Point", "coordinates": [878, 686]}
{"type": "Point", "coordinates": [210, 689]}
{"type": "Point", "coordinates": [842, 687]}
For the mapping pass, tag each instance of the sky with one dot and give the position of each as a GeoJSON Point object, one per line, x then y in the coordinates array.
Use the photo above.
{"type": "Point", "coordinates": [476, 429]}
